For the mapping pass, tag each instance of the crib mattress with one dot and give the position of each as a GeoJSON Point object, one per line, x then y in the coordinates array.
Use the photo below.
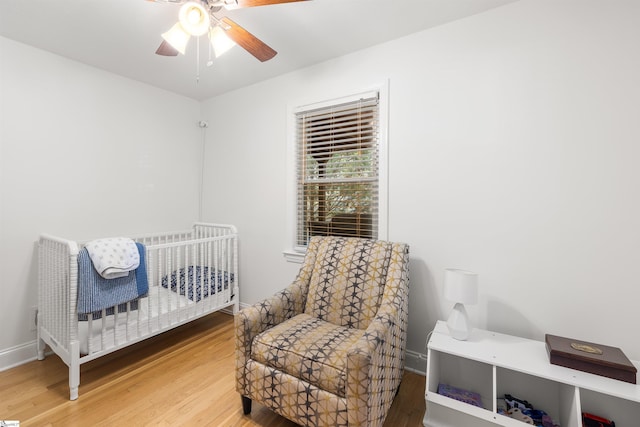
{"type": "Point", "coordinates": [160, 309]}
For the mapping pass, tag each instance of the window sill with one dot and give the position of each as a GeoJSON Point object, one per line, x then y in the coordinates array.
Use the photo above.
{"type": "Point", "coordinates": [293, 256]}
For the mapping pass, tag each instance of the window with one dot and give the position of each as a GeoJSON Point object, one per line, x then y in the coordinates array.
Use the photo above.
{"type": "Point", "coordinates": [338, 168]}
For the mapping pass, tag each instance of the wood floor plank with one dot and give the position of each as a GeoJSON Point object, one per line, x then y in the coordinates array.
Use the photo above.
{"type": "Point", "coordinates": [184, 377]}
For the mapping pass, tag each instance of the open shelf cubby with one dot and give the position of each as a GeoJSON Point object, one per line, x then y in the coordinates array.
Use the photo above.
{"type": "Point", "coordinates": [493, 364]}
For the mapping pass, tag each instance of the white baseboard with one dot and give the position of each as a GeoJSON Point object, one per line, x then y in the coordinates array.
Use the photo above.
{"type": "Point", "coordinates": [229, 310]}
{"type": "Point", "coordinates": [415, 362]}
{"type": "Point", "coordinates": [18, 355]}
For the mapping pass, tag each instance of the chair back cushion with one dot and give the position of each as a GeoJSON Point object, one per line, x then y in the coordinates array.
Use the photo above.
{"type": "Point", "coordinates": [348, 279]}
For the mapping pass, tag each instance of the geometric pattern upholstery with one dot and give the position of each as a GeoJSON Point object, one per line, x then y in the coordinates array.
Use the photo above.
{"type": "Point", "coordinates": [308, 348]}
{"type": "Point", "coordinates": [329, 349]}
{"type": "Point", "coordinates": [348, 280]}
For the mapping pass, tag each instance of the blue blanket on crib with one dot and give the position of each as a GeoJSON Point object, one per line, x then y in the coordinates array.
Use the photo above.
{"type": "Point", "coordinates": [199, 283]}
{"type": "Point", "coordinates": [95, 293]}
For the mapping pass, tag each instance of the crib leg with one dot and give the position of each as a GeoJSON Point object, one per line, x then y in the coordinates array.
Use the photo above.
{"type": "Point", "coordinates": [246, 405]}
{"type": "Point", "coordinates": [40, 344]}
{"type": "Point", "coordinates": [74, 370]}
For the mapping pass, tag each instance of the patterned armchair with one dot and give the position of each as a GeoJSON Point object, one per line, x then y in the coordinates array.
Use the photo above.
{"type": "Point", "coordinates": [329, 349]}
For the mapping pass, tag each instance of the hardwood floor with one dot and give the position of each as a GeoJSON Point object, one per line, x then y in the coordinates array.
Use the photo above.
{"type": "Point", "coordinates": [181, 378]}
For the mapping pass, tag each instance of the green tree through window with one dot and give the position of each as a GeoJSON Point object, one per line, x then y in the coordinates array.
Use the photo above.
{"type": "Point", "coordinates": [338, 170]}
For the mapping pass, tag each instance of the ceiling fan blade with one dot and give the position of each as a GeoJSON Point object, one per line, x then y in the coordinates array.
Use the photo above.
{"type": "Point", "coordinates": [253, 3]}
{"type": "Point", "coordinates": [165, 49]}
{"type": "Point", "coordinates": [246, 40]}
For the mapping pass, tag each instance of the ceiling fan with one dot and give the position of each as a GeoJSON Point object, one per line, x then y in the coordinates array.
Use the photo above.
{"type": "Point", "coordinates": [197, 18]}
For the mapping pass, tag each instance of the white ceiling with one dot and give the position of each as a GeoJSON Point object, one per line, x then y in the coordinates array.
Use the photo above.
{"type": "Point", "coordinates": [121, 36]}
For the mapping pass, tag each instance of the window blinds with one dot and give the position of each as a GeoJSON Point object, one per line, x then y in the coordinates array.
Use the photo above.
{"type": "Point", "coordinates": [337, 170]}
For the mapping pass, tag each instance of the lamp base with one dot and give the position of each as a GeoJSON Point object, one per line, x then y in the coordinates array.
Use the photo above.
{"type": "Point", "coordinates": [458, 323]}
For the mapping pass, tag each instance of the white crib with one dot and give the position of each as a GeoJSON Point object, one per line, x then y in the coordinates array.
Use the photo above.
{"type": "Point", "coordinates": [172, 259]}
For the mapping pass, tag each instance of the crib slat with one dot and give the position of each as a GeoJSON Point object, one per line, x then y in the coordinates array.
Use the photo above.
{"type": "Point", "coordinates": [207, 250]}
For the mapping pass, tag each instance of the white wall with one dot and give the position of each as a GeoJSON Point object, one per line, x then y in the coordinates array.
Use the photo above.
{"type": "Point", "coordinates": [514, 153]}
{"type": "Point", "coordinates": [83, 154]}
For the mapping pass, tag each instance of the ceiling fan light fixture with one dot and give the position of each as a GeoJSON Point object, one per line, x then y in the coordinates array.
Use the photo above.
{"type": "Point", "coordinates": [177, 37]}
{"type": "Point", "coordinates": [220, 41]}
{"type": "Point", "coordinates": [194, 18]}
{"type": "Point", "coordinates": [230, 4]}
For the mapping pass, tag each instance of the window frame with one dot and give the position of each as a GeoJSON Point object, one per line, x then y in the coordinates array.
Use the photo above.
{"type": "Point", "coordinates": [294, 252]}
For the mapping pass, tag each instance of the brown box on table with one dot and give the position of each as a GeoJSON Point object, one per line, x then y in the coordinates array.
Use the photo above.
{"type": "Point", "coordinates": [596, 359]}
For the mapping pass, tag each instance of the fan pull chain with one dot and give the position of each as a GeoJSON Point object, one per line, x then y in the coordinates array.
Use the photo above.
{"type": "Point", "coordinates": [210, 45]}
{"type": "Point", "coordinates": [197, 60]}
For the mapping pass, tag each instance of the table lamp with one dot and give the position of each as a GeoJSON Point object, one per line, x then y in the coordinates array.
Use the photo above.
{"type": "Point", "coordinates": [461, 287]}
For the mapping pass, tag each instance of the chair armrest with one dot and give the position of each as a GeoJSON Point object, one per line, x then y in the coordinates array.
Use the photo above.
{"type": "Point", "coordinates": [372, 373]}
{"type": "Point", "coordinates": [369, 349]}
{"type": "Point", "coordinates": [251, 321]}
{"type": "Point", "coordinates": [375, 363]}
{"type": "Point", "coordinates": [283, 305]}
{"type": "Point", "coordinates": [261, 316]}
{"type": "Point", "coordinates": [393, 311]}
{"type": "Point", "coordinates": [267, 313]}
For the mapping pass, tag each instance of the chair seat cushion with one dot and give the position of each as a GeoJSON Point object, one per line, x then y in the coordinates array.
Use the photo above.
{"type": "Point", "coordinates": [308, 348]}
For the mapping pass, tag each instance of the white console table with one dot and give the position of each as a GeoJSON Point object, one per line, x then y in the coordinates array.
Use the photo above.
{"type": "Point", "coordinates": [494, 364]}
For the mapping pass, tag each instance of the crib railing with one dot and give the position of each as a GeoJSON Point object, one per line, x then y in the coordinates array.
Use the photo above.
{"type": "Point", "coordinates": [199, 265]}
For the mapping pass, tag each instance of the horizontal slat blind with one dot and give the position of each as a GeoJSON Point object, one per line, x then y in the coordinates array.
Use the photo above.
{"type": "Point", "coordinates": [337, 170]}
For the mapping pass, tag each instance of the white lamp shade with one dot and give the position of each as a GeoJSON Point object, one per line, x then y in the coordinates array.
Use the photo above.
{"type": "Point", "coordinates": [461, 286]}
{"type": "Point", "coordinates": [177, 37]}
{"type": "Point", "coordinates": [194, 18]}
{"type": "Point", "coordinates": [220, 41]}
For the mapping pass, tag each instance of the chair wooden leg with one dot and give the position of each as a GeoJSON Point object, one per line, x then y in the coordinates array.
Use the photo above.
{"type": "Point", "coordinates": [246, 405]}
{"type": "Point", "coordinates": [397, 390]}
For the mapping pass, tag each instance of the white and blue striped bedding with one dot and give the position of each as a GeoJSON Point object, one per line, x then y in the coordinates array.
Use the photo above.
{"type": "Point", "coordinates": [95, 293]}
{"type": "Point", "coordinates": [200, 282]}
